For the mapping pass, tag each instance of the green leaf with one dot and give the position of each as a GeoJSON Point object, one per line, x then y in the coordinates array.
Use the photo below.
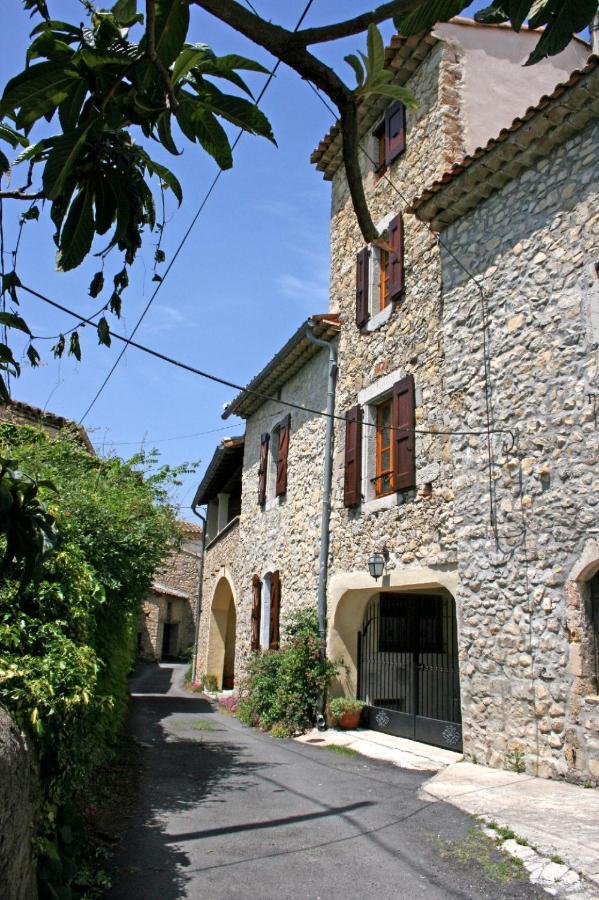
{"type": "Point", "coordinates": [163, 125]}
{"type": "Point", "coordinates": [75, 346]}
{"type": "Point", "coordinates": [115, 304]}
{"type": "Point", "coordinates": [64, 28]}
{"type": "Point", "coordinates": [96, 285]}
{"type": "Point", "coordinates": [121, 279]}
{"type": "Point", "coordinates": [64, 154]}
{"type": "Point", "coordinates": [31, 214]}
{"type": "Point", "coordinates": [12, 137]}
{"type": "Point", "coordinates": [103, 332]}
{"type": "Point", "coordinates": [172, 25]}
{"type": "Point", "coordinates": [69, 109]}
{"type": "Point", "coordinates": [4, 163]}
{"type": "Point", "coordinates": [105, 204]}
{"type": "Point", "coordinates": [33, 356]}
{"type": "Point", "coordinates": [394, 91]}
{"type": "Point", "coordinates": [36, 91]}
{"type": "Point", "coordinates": [197, 123]}
{"type": "Point", "coordinates": [539, 14]}
{"type": "Point", "coordinates": [239, 112]}
{"type": "Point", "coordinates": [58, 348]}
{"type": "Point", "coordinates": [186, 60]}
{"type": "Point", "coordinates": [12, 320]}
{"type": "Point", "coordinates": [234, 61]}
{"type": "Point", "coordinates": [426, 15]}
{"type": "Point", "coordinates": [77, 233]}
{"type": "Point", "coordinates": [357, 66]}
{"type": "Point", "coordinates": [125, 12]}
{"type": "Point", "coordinates": [494, 14]}
{"type": "Point", "coordinates": [165, 175]}
{"type": "Point", "coordinates": [96, 59]}
{"type": "Point", "coordinates": [376, 49]}
{"type": "Point", "coordinates": [567, 17]}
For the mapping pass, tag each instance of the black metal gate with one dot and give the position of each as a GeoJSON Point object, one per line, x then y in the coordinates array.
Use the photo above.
{"type": "Point", "coordinates": [408, 668]}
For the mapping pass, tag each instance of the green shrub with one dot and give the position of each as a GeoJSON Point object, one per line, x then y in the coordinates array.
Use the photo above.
{"type": "Point", "coordinates": [340, 705]}
{"type": "Point", "coordinates": [209, 683]}
{"type": "Point", "coordinates": [282, 687]}
{"type": "Point", "coordinates": [67, 638]}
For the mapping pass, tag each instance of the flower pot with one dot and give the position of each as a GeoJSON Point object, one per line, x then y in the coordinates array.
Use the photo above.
{"type": "Point", "coordinates": [350, 719]}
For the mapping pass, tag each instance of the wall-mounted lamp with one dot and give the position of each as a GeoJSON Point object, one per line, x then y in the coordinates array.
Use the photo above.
{"type": "Point", "coordinates": [377, 563]}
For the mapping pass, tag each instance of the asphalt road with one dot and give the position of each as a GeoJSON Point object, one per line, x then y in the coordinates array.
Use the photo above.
{"type": "Point", "coordinates": [227, 812]}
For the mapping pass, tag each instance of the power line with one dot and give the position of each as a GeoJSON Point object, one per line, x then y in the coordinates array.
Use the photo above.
{"type": "Point", "coordinates": [246, 390]}
{"type": "Point", "coordinates": [183, 240]}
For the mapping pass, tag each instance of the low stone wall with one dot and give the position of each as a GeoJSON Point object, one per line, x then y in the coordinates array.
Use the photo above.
{"type": "Point", "coordinates": [19, 803]}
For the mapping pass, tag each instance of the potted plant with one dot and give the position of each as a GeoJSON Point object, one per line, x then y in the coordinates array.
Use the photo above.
{"type": "Point", "coordinates": [346, 712]}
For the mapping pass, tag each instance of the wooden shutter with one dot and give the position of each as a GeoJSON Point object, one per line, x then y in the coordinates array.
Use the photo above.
{"type": "Point", "coordinates": [395, 260]}
{"type": "Point", "coordinates": [282, 456]}
{"type": "Point", "coordinates": [275, 606]}
{"type": "Point", "coordinates": [395, 131]}
{"type": "Point", "coordinates": [404, 442]}
{"type": "Point", "coordinates": [263, 468]}
{"type": "Point", "coordinates": [352, 493]}
{"type": "Point", "coordinates": [362, 287]}
{"type": "Point", "coordinates": [256, 611]}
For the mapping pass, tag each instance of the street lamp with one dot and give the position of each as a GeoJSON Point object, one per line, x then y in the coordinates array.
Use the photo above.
{"type": "Point", "coordinates": [377, 563]}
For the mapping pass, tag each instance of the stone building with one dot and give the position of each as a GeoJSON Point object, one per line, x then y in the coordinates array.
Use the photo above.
{"type": "Point", "coordinates": [520, 326]}
{"type": "Point", "coordinates": [20, 413]}
{"type": "Point", "coordinates": [397, 490]}
{"type": "Point", "coordinates": [166, 628]}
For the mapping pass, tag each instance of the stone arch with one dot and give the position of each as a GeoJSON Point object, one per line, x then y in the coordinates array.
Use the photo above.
{"type": "Point", "coordinates": [349, 595]}
{"type": "Point", "coordinates": [220, 660]}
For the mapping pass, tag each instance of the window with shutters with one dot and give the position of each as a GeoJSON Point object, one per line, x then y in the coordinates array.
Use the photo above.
{"type": "Point", "coordinates": [270, 605]}
{"type": "Point", "coordinates": [276, 461]}
{"type": "Point", "coordinates": [380, 459]}
{"type": "Point", "coordinates": [380, 275]}
{"type": "Point", "coordinates": [389, 137]}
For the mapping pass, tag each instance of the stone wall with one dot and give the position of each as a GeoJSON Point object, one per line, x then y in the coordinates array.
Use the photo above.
{"type": "Point", "coordinates": [527, 680]}
{"type": "Point", "coordinates": [416, 526]}
{"type": "Point", "coordinates": [19, 806]}
{"type": "Point", "coordinates": [284, 534]}
{"type": "Point", "coordinates": [180, 574]}
{"type": "Point", "coordinates": [221, 564]}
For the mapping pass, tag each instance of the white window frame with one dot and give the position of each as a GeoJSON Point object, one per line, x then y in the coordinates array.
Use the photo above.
{"type": "Point", "coordinates": [265, 612]}
{"type": "Point", "coordinates": [377, 315]}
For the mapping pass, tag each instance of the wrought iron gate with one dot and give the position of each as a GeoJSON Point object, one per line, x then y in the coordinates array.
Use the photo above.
{"type": "Point", "coordinates": [408, 668]}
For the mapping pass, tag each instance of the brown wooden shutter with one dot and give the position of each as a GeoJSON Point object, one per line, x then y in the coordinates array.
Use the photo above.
{"type": "Point", "coordinates": [263, 468]}
{"type": "Point", "coordinates": [362, 315]}
{"type": "Point", "coordinates": [395, 261]}
{"type": "Point", "coordinates": [395, 131]}
{"type": "Point", "coordinates": [404, 439]}
{"type": "Point", "coordinates": [284, 428]}
{"type": "Point", "coordinates": [352, 494]}
{"type": "Point", "coordinates": [275, 607]}
{"type": "Point", "coordinates": [256, 611]}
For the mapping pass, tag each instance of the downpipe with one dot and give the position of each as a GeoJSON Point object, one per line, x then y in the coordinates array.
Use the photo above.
{"type": "Point", "coordinates": [198, 609]}
{"type": "Point", "coordinates": [323, 564]}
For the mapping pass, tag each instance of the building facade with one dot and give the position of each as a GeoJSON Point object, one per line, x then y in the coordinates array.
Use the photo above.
{"type": "Point", "coordinates": [166, 628]}
{"type": "Point", "coordinates": [438, 644]}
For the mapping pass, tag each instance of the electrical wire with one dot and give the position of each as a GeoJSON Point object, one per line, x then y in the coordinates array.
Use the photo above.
{"type": "Point", "coordinates": [185, 237]}
{"type": "Point", "coordinates": [247, 390]}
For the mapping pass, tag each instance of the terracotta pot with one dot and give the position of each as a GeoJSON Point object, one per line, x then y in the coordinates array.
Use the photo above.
{"type": "Point", "coordinates": [350, 719]}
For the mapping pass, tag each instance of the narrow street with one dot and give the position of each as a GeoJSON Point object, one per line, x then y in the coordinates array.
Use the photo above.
{"type": "Point", "coordinates": [227, 812]}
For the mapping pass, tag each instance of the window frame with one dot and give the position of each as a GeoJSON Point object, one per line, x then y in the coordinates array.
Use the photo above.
{"type": "Point", "coordinates": [379, 473]}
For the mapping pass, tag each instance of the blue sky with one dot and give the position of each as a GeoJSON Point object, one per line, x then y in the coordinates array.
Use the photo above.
{"type": "Point", "coordinates": [256, 265]}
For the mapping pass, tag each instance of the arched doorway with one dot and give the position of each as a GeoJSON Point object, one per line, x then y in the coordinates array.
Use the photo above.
{"type": "Point", "coordinates": [408, 667]}
{"type": "Point", "coordinates": [221, 637]}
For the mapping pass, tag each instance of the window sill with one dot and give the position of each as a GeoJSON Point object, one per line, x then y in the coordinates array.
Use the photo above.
{"type": "Point", "coordinates": [273, 503]}
{"type": "Point", "coordinates": [389, 501]}
{"type": "Point", "coordinates": [377, 321]}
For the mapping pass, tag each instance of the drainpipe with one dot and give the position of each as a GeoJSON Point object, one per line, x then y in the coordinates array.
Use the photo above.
{"type": "Point", "coordinates": [594, 28]}
{"type": "Point", "coordinates": [198, 611]}
{"type": "Point", "coordinates": [326, 492]}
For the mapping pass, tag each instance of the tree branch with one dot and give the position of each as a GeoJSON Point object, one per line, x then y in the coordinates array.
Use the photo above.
{"type": "Point", "coordinates": [284, 45]}
{"type": "Point", "coordinates": [356, 25]}
{"type": "Point", "coordinates": [20, 195]}
{"type": "Point", "coordinates": [153, 56]}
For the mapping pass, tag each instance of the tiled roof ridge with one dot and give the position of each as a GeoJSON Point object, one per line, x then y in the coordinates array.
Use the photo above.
{"type": "Point", "coordinates": [516, 125]}
{"type": "Point", "coordinates": [36, 414]}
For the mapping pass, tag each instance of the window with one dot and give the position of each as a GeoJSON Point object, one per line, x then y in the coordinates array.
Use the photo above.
{"type": "Point", "coordinates": [266, 605]}
{"type": "Point", "coordinates": [272, 469]}
{"type": "Point", "coordinates": [390, 136]}
{"type": "Point", "coordinates": [380, 457]}
{"type": "Point", "coordinates": [594, 610]}
{"type": "Point", "coordinates": [384, 480]}
{"type": "Point", "coordinates": [380, 273]}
